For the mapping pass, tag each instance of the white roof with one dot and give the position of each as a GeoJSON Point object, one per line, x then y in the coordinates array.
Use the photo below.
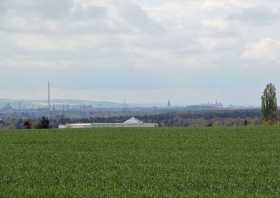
{"type": "Point", "coordinates": [133, 120]}
{"type": "Point", "coordinates": [80, 124]}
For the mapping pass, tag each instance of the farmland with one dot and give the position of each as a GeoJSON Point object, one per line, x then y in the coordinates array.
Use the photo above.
{"type": "Point", "coordinates": [161, 162]}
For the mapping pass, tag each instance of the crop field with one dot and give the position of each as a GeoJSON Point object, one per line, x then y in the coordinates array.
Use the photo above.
{"type": "Point", "coordinates": [191, 162]}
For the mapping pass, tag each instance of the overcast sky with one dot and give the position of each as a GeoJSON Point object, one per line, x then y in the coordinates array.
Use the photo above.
{"type": "Point", "coordinates": [140, 51]}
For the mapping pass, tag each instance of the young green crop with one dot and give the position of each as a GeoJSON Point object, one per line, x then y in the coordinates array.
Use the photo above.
{"type": "Point", "coordinates": [201, 162]}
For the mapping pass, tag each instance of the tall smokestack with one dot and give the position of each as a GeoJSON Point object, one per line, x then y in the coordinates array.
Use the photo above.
{"type": "Point", "coordinates": [49, 95]}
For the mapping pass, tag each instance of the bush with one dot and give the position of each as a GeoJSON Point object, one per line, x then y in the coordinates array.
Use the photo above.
{"type": "Point", "coordinates": [27, 124]}
{"type": "Point", "coordinates": [44, 123]}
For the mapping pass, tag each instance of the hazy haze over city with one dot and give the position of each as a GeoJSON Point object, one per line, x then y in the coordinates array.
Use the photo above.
{"type": "Point", "coordinates": [140, 51]}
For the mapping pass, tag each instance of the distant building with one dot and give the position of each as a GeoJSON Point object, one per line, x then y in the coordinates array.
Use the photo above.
{"type": "Point", "coordinates": [130, 123]}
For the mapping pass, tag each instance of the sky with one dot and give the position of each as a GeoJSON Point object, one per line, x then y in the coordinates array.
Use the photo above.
{"type": "Point", "coordinates": [140, 51]}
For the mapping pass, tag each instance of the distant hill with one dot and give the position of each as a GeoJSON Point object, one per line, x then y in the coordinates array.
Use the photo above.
{"type": "Point", "coordinates": [25, 104]}
{"type": "Point", "coordinates": [19, 104]}
{"type": "Point", "coordinates": [57, 102]}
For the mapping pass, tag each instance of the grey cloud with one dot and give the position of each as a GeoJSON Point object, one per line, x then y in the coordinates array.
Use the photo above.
{"type": "Point", "coordinates": [137, 18]}
{"type": "Point", "coordinates": [33, 15]}
{"type": "Point", "coordinates": [88, 13]}
{"type": "Point", "coordinates": [41, 16]}
{"type": "Point", "coordinates": [43, 19]}
{"type": "Point", "coordinates": [122, 34]}
{"type": "Point", "coordinates": [39, 8]}
{"type": "Point", "coordinates": [2, 8]}
{"type": "Point", "coordinates": [121, 17]}
{"type": "Point", "coordinates": [259, 15]}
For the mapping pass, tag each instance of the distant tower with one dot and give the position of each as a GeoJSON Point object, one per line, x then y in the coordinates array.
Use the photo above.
{"type": "Point", "coordinates": [49, 95]}
{"type": "Point", "coordinates": [169, 103]}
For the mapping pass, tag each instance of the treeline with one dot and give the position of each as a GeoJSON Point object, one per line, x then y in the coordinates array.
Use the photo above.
{"type": "Point", "coordinates": [26, 123]}
{"type": "Point", "coordinates": [189, 119]}
{"type": "Point", "coordinates": [171, 119]}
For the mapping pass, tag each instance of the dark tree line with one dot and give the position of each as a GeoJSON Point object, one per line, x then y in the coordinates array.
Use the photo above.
{"type": "Point", "coordinates": [43, 123]}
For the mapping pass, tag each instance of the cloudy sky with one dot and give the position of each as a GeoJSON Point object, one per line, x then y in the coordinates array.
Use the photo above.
{"type": "Point", "coordinates": [140, 51]}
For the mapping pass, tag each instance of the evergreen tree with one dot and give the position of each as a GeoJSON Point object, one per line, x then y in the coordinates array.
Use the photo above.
{"type": "Point", "coordinates": [269, 103]}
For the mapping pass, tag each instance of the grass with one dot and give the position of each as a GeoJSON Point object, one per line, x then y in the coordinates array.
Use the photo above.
{"type": "Point", "coordinates": [202, 162]}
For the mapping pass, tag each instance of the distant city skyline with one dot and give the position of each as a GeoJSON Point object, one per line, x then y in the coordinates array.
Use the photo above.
{"type": "Point", "coordinates": [140, 51]}
{"type": "Point", "coordinates": [178, 97]}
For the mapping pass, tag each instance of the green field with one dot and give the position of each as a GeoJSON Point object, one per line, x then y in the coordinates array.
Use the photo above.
{"type": "Point", "coordinates": [205, 162]}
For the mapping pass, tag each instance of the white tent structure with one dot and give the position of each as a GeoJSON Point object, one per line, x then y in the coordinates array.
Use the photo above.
{"type": "Point", "coordinates": [130, 123]}
{"type": "Point", "coordinates": [133, 120]}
